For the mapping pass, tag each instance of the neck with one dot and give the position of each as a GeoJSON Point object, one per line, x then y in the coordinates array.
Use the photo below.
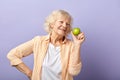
{"type": "Point", "coordinates": [56, 39]}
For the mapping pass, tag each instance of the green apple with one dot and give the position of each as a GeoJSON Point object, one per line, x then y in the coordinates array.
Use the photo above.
{"type": "Point", "coordinates": [76, 31]}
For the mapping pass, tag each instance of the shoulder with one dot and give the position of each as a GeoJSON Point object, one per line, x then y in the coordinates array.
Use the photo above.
{"type": "Point", "coordinates": [38, 37]}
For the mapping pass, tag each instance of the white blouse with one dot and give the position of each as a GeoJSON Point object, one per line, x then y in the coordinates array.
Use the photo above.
{"type": "Point", "coordinates": [51, 68]}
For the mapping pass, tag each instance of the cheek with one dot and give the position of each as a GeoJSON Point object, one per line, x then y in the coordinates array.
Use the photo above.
{"type": "Point", "coordinates": [56, 28]}
{"type": "Point", "coordinates": [56, 25]}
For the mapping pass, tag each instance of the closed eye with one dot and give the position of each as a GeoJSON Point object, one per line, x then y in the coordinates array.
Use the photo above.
{"type": "Point", "coordinates": [61, 21]}
{"type": "Point", "coordinates": [67, 24]}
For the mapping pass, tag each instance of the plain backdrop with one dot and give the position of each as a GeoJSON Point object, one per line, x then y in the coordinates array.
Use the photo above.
{"type": "Point", "coordinates": [21, 20]}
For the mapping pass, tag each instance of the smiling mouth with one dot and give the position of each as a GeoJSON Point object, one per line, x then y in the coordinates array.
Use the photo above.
{"type": "Point", "coordinates": [63, 30]}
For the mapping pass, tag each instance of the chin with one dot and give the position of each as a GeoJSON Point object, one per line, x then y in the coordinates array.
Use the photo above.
{"type": "Point", "coordinates": [61, 33]}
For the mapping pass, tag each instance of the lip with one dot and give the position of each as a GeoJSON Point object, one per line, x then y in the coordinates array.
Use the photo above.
{"type": "Point", "coordinates": [62, 28]}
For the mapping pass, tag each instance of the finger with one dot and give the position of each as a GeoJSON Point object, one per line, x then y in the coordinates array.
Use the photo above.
{"type": "Point", "coordinates": [80, 35]}
{"type": "Point", "coordinates": [83, 37]}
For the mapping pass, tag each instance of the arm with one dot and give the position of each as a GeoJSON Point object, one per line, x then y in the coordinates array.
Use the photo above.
{"type": "Point", "coordinates": [24, 69]}
{"type": "Point", "coordinates": [15, 56]}
{"type": "Point", "coordinates": [75, 63]}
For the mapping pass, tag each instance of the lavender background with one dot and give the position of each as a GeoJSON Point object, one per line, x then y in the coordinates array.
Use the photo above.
{"type": "Point", "coordinates": [21, 20]}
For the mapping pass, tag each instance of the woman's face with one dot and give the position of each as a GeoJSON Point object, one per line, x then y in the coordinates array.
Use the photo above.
{"type": "Point", "coordinates": [61, 26]}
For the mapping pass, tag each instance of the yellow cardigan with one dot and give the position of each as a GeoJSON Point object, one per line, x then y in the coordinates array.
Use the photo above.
{"type": "Point", "coordinates": [38, 46]}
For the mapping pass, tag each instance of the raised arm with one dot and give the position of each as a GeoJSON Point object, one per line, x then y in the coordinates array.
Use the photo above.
{"type": "Point", "coordinates": [75, 62]}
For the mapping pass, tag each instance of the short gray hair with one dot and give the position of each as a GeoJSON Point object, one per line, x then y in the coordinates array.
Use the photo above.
{"type": "Point", "coordinates": [52, 18]}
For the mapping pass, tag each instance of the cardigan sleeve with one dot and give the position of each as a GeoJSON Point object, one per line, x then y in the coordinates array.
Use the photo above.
{"type": "Point", "coordinates": [74, 69]}
{"type": "Point", "coordinates": [16, 54]}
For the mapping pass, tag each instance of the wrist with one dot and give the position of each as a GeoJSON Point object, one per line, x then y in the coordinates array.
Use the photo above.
{"type": "Point", "coordinates": [77, 44]}
{"type": "Point", "coordinates": [29, 73]}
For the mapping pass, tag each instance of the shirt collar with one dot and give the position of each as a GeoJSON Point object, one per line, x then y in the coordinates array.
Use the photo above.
{"type": "Point", "coordinates": [47, 38]}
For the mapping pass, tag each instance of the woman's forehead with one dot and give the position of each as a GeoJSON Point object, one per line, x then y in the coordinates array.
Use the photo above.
{"type": "Point", "coordinates": [64, 18]}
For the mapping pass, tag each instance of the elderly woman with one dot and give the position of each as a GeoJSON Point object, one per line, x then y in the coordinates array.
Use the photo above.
{"type": "Point", "coordinates": [55, 56]}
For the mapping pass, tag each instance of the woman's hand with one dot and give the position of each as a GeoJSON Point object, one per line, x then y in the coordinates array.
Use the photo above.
{"type": "Point", "coordinates": [30, 75]}
{"type": "Point", "coordinates": [79, 39]}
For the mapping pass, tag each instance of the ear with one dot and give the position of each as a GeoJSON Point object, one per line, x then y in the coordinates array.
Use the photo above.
{"type": "Point", "coordinates": [51, 25]}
